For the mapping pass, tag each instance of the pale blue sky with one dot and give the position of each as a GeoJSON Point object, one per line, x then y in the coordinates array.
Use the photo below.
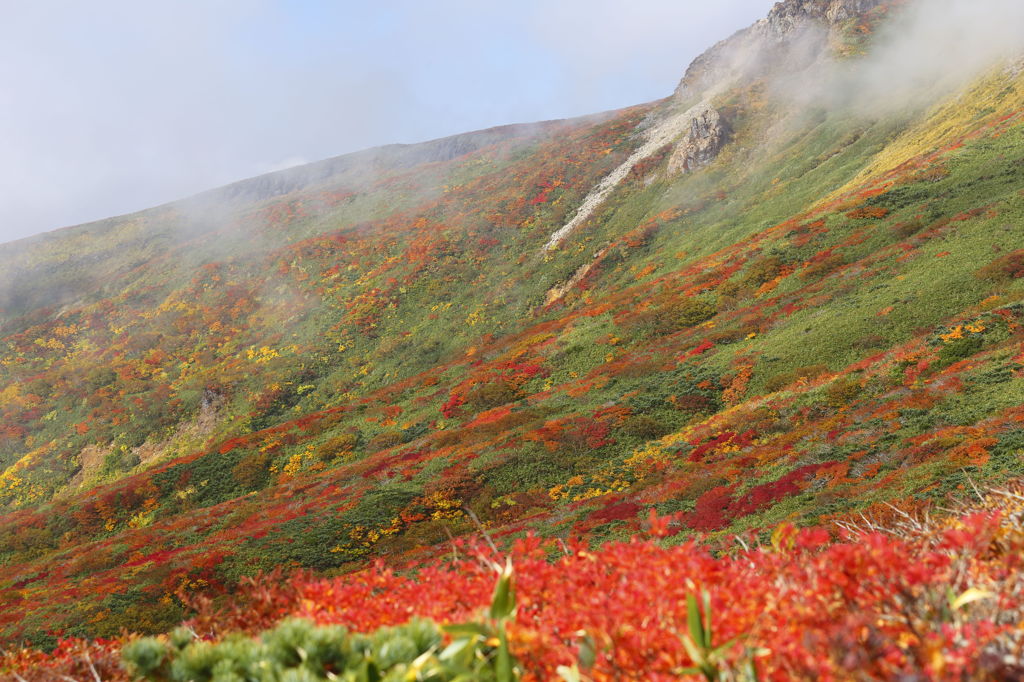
{"type": "Point", "coordinates": [111, 106]}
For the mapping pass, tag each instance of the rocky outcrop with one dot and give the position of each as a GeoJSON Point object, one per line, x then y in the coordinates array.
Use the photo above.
{"type": "Point", "coordinates": [793, 35]}
{"type": "Point", "coordinates": [659, 133]}
{"type": "Point", "coordinates": [90, 459]}
{"type": "Point", "coordinates": [702, 143]}
{"type": "Point", "coordinates": [841, 10]}
{"type": "Point", "coordinates": [559, 290]}
{"type": "Point", "coordinates": [1015, 67]}
{"type": "Point", "coordinates": [787, 17]}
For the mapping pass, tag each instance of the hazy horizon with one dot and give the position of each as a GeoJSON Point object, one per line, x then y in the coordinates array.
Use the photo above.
{"type": "Point", "coordinates": [116, 108]}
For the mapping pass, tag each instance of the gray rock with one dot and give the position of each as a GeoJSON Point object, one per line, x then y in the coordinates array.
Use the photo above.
{"type": "Point", "coordinates": [702, 143]}
{"type": "Point", "coordinates": [786, 16]}
{"type": "Point", "coordinates": [793, 35]}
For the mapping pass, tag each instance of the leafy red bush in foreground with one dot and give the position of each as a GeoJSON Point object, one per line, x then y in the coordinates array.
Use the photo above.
{"type": "Point", "coordinates": [943, 602]}
{"type": "Point", "coordinates": [875, 603]}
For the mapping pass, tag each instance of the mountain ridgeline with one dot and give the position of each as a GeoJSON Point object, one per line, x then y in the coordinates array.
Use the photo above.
{"type": "Point", "coordinates": [782, 293]}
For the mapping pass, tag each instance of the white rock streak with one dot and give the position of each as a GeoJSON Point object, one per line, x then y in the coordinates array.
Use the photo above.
{"type": "Point", "coordinates": [658, 135]}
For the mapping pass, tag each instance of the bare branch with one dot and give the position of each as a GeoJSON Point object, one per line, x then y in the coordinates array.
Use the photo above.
{"type": "Point", "coordinates": [92, 668]}
{"type": "Point", "coordinates": [974, 487]}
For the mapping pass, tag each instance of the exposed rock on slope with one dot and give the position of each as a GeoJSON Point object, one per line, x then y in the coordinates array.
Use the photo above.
{"type": "Point", "coordinates": [661, 132]}
{"type": "Point", "coordinates": [794, 35]}
{"type": "Point", "coordinates": [841, 10]}
{"type": "Point", "coordinates": [791, 14]}
{"type": "Point", "coordinates": [559, 290]}
{"type": "Point", "coordinates": [704, 141]}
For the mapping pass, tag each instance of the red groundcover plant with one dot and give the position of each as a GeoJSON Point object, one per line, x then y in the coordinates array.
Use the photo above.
{"type": "Point", "coordinates": [926, 601]}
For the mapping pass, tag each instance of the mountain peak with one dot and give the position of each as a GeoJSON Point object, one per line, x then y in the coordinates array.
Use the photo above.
{"type": "Point", "coordinates": [793, 35]}
{"type": "Point", "coordinates": [786, 15]}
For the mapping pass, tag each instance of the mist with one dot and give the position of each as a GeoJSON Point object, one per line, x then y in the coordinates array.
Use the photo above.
{"type": "Point", "coordinates": [947, 42]}
{"type": "Point", "coordinates": [115, 106]}
{"type": "Point", "coordinates": [926, 49]}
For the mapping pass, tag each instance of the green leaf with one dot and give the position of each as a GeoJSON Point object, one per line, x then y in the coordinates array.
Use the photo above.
{"type": "Point", "coordinates": [707, 618]}
{"type": "Point", "coordinates": [693, 620]}
{"type": "Point", "coordinates": [588, 652]}
{"type": "Point", "coordinates": [368, 672]}
{"type": "Point", "coordinates": [503, 663]}
{"type": "Point", "coordinates": [504, 602]}
{"type": "Point", "coordinates": [722, 648]}
{"type": "Point", "coordinates": [468, 629]}
{"type": "Point", "coordinates": [459, 652]}
{"type": "Point", "coordinates": [695, 654]}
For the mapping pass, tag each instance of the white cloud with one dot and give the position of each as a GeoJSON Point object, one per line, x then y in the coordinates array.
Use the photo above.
{"type": "Point", "coordinates": [112, 106]}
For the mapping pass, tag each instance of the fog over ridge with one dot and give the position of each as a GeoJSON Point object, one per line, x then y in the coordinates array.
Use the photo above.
{"type": "Point", "coordinates": [116, 106]}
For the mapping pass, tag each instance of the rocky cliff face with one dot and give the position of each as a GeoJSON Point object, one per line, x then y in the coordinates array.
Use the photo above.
{"type": "Point", "coordinates": [702, 143]}
{"type": "Point", "coordinates": [785, 17]}
{"type": "Point", "coordinates": [793, 35]}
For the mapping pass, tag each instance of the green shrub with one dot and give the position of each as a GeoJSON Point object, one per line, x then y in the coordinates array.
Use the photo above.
{"type": "Point", "coordinates": [99, 377]}
{"type": "Point", "coordinates": [491, 394]}
{"type": "Point", "coordinates": [252, 471]}
{"type": "Point", "coordinates": [691, 311]}
{"type": "Point", "coordinates": [842, 392]}
{"type": "Point", "coordinates": [338, 446]}
{"type": "Point", "coordinates": [117, 461]}
{"type": "Point", "coordinates": [644, 427]}
{"type": "Point", "coordinates": [820, 268]}
{"type": "Point", "coordinates": [908, 229]}
{"type": "Point", "coordinates": [780, 381]}
{"type": "Point", "coordinates": [294, 650]}
{"type": "Point", "coordinates": [763, 270]}
{"type": "Point", "coordinates": [385, 440]}
{"type": "Point", "coordinates": [960, 349]}
{"type": "Point", "coordinates": [669, 317]}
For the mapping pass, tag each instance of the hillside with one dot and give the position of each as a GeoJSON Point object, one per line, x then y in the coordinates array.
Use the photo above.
{"type": "Point", "coordinates": [746, 304]}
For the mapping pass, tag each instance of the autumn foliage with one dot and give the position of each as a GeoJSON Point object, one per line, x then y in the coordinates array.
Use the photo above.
{"type": "Point", "coordinates": [932, 601]}
{"type": "Point", "coordinates": [823, 325]}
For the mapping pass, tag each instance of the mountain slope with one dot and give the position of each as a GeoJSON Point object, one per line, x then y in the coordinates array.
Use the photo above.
{"type": "Point", "coordinates": [737, 305]}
